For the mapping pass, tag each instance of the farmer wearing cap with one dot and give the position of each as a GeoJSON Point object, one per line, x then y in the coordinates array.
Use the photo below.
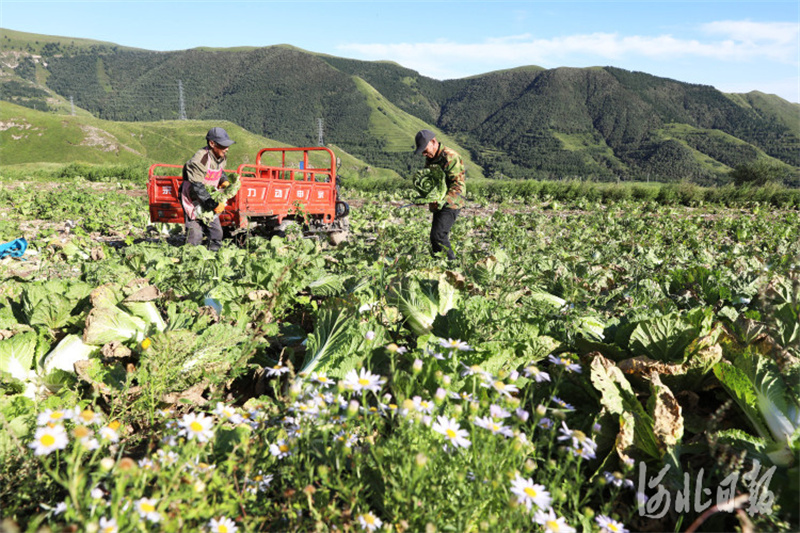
{"type": "Point", "coordinates": [445, 212]}
{"type": "Point", "coordinates": [205, 168]}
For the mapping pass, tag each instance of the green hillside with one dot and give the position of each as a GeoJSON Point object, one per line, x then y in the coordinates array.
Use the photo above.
{"type": "Point", "coordinates": [30, 137]}
{"type": "Point", "coordinates": [600, 123]}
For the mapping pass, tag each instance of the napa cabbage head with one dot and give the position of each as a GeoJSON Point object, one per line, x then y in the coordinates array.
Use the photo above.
{"type": "Point", "coordinates": [770, 397]}
{"type": "Point", "coordinates": [420, 301]}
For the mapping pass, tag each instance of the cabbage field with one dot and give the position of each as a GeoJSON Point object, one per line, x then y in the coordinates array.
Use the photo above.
{"type": "Point", "coordinates": [582, 366]}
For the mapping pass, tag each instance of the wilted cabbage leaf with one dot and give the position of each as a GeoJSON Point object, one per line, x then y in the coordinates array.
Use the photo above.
{"type": "Point", "coordinates": [106, 324]}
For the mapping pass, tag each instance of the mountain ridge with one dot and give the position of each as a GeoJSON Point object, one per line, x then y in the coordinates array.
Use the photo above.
{"type": "Point", "coordinates": [601, 123]}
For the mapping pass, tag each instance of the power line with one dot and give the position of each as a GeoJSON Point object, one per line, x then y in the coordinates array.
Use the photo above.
{"type": "Point", "coordinates": [182, 106]}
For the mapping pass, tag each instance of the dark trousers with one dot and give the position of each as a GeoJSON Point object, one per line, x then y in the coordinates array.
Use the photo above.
{"type": "Point", "coordinates": [443, 221]}
{"type": "Point", "coordinates": [196, 229]}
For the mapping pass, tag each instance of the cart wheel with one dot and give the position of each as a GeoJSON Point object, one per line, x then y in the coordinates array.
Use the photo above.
{"type": "Point", "coordinates": [342, 209]}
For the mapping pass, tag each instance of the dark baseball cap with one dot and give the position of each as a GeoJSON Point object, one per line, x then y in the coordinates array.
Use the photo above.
{"type": "Point", "coordinates": [219, 136]}
{"type": "Point", "coordinates": [423, 138]}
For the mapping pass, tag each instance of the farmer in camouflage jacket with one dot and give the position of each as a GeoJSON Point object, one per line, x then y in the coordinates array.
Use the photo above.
{"type": "Point", "coordinates": [444, 216]}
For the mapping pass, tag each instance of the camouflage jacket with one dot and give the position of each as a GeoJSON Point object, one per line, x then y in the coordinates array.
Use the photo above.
{"type": "Point", "coordinates": [455, 176]}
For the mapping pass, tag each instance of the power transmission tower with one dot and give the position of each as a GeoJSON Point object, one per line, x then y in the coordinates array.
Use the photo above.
{"type": "Point", "coordinates": [181, 104]}
{"type": "Point", "coordinates": [319, 131]}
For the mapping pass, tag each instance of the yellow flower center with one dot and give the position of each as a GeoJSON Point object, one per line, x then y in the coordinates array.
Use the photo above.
{"type": "Point", "coordinates": [114, 425]}
{"type": "Point", "coordinates": [530, 491]}
{"type": "Point", "coordinates": [451, 434]}
{"type": "Point", "coordinates": [222, 528]}
{"type": "Point", "coordinates": [612, 527]}
{"type": "Point", "coordinates": [56, 415]}
{"type": "Point", "coordinates": [87, 415]}
{"type": "Point", "coordinates": [81, 432]}
{"type": "Point", "coordinates": [552, 525]}
{"type": "Point", "coordinates": [499, 385]}
{"type": "Point", "coordinates": [369, 519]}
{"type": "Point", "coordinates": [283, 448]}
{"type": "Point", "coordinates": [47, 439]}
{"type": "Point", "coordinates": [195, 426]}
{"type": "Point", "coordinates": [147, 507]}
{"type": "Point", "coordinates": [363, 382]}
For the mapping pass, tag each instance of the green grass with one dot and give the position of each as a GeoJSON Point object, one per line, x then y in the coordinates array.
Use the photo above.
{"type": "Point", "coordinates": [398, 129]}
{"type": "Point", "coordinates": [37, 138]}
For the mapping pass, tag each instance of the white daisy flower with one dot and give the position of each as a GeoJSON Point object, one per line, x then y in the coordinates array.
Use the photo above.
{"type": "Point", "coordinates": [551, 522]}
{"type": "Point", "coordinates": [423, 406]}
{"type": "Point", "coordinates": [197, 426]}
{"type": "Point", "coordinates": [369, 522]}
{"type": "Point", "coordinates": [53, 416]}
{"type": "Point", "coordinates": [532, 371]}
{"type": "Point", "coordinates": [365, 380]}
{"type": "Point", "coordinates": [259, 483]}
{"type": "Point", "coordinates": [530, 493]}
{"type": "Point", "coordinates": [568, 364]}
{"type": "Point", "coordinates": [85, 437]}
{"type": "Point", "coordinates": [276, 370]}
{"type": "Point", "coordinates": [617, 479]}
{"type": "Point", "coordinates": [452, 431]}
{"type": "Point", "coordinates": [501, 387]}
{"type": "Point", "coordinates": [455, 345]}
{"type": "Point", "coordinates": [322, 379]}
{"type": "Point", "coordinates": [146, 507]}
{"type": "Point", "coordinates": [562, 404]}
{"type": "Point", "coordinates": [608, 525]}
{"type": "Point", "coordinates": [496, 411]}
{"type": "Point", "coordinates": [582, 445]}
{"type": "Point", "coordinates": [87, 416]}
{"type": "Point", "coordinates": [280, 449]}
{"type": "Point", "coordinates": [108, 525]}
{"type": "Point", "coordinates": [497, 429]}
{"type": "Point", "coordinates": [109, 432]}
{"type": "Point", "coordinates": [228, 413]}
{"type": "Point", "coordinates": [167, 457]}
{"type": "Point", "coordinates": [223, 525]}
{"type": "Point", "coordinates": [475, 370]}
{"type": "Point", "coordinates": [48, 439]}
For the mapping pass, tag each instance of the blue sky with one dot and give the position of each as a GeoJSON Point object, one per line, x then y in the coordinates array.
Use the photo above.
{"type": "Point", "coordinates": [736, 46]}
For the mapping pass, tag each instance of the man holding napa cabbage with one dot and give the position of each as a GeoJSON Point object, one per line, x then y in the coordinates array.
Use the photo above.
{"type": "Point", "coordinates": [441, 184]}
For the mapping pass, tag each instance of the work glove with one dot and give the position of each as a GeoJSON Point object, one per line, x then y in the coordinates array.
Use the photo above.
{"type": "Point", "coordinates": [220, 208]}
{"type": "Point", "coordinates": [224, 184]}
